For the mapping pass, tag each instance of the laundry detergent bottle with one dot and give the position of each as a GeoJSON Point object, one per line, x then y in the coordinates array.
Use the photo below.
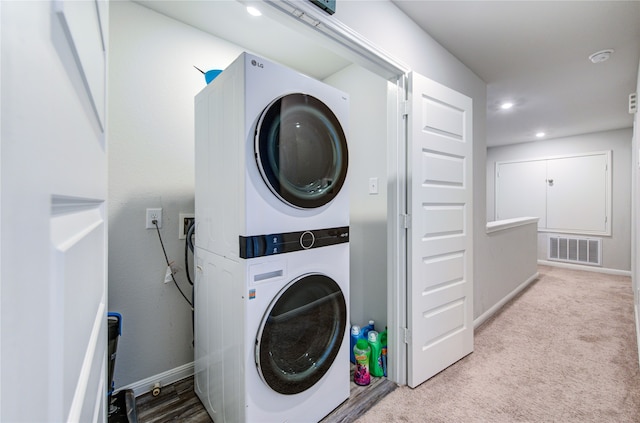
{"type": "Point", "coordinates": [362, 352]}
{"type": "Point", "coordinates": [383, 345]}
{"type": "Point", "coordinates": [356, 333]}
{"type": "Point", "coordinates": [375, 359]}
{"type": "Point", "coordinates": [366, 329]}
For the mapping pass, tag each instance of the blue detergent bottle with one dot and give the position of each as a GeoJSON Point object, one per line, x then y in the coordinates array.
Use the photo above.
{"type": "Point", "coordinates": [356, 333]}
{"type": "Point", "coordinates": [383, 344]}
{"type": "Point", "coordinates": [366, 329]}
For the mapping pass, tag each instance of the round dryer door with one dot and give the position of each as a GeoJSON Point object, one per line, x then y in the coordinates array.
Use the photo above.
{"type": "Point", "coordinates": [301, 151]}
{"type": "Point", "coordinates": [301, 334]}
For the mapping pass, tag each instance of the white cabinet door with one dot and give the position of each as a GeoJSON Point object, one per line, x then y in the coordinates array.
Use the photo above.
{"type": "Point", "coordinates": [576, 193]}
{"type": "Point", "coordinates": [53, 225]}
{"type": "Point", "coordinates": [440, 286]}
{"type": "Point", "coordinates": [570, 194]}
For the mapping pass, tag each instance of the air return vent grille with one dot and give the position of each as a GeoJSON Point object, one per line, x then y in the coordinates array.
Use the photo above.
{"type": "Point", "coordinates": [575, 250]}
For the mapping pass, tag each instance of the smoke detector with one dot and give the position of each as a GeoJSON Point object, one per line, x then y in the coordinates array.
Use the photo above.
{"type": "Point", "coordinates": [601, 56]}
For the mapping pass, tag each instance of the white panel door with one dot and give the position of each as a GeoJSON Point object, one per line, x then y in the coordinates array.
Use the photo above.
{"type": "Point", "coordinates": [53, 223]}
{"type": "Point", "coordinates": [440, 285]}
{"type": "Point", "coordinates": [521, 190]}
{"type": "Point", "coordinates": [577, 193]}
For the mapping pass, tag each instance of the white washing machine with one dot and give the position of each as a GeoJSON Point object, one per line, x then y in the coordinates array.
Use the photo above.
{"type": "Point", "coordinates": [271, 155]}
{"type": "Point", "coordinates": [273, 347]}
{"type": "Point", "coordinates": [272, 251]}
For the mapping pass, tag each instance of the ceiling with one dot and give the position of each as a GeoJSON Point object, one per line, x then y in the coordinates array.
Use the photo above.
{"type": "Point", "coordinates": [536, 55]}
{"type": "Point", "coordinates": [532, 53]}
{"type": "Point", "coordinates": [229, 20]}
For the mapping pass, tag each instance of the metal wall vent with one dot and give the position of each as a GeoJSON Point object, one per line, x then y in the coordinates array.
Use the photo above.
{"type": "Point", "coordinates": [575, 250]}
{"type": "Point", "coordinates": [633, 103]}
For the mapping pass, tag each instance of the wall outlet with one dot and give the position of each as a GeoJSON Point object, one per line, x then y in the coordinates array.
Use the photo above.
{"type": "Point", "coordinates": [154, 214]}
{"type": "Point", "coordinates": [184, 222]}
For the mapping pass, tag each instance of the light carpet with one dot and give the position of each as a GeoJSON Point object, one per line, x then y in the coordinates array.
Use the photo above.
{"type": "Point", "coordinates": [564, 350]}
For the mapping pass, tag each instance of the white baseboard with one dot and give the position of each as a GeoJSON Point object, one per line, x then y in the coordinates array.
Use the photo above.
{"type": "Point", "coordinates": [484, 316]}
{"type": "Point", "coordinates": [587, 268]}
{"type": "Point", "coordinates": [637, 330]}
{"type": "Point", "coordinates": [165, 378]}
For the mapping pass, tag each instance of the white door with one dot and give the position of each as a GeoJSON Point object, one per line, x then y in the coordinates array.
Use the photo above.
{"type": "Point", "coordinates": [577, 191]}
{"type": "Point", "coordinates": [440, 285]}
{"type": "Point", "coordinates": [53, 225]}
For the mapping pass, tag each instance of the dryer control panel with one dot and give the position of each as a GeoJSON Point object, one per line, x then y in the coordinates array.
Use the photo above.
{"type": "Point", "coordinates": [267, 245]}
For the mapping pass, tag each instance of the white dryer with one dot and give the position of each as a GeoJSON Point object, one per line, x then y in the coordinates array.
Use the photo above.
{"type": "Point", "coordinates": [272, 245]}
{"type": "Point", "coordinates": [274, 347]}
{"type": "Point", "coordinates": [271, 155]}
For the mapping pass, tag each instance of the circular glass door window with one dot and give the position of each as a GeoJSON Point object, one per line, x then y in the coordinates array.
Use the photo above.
{"type": "Point", "coordinates": [301, 334]}
{"type": "Point", "coordinates": [301, 151]}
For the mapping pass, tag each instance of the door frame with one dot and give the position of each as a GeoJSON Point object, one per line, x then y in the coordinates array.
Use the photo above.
{"type": "Point", "coordinates": [311, 20]}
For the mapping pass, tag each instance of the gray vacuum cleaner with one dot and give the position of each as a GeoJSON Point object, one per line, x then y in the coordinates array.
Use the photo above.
{"type": "Point", "coordinates": [122, 404]}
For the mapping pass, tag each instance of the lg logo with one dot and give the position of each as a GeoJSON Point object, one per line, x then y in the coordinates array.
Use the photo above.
{"type": "Point", "coordinates": [256, 63]}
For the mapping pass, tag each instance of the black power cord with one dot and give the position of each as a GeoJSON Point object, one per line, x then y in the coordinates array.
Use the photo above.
{"type": "Point", "coordinates": [155, 222]}
{"type": "Point", "coordinates": [188, 245]}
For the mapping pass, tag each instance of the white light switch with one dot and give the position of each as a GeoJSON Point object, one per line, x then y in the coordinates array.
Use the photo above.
{"type": "Point", "coordinates": [373, 185]}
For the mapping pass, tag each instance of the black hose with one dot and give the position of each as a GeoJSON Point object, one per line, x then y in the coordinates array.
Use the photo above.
{"type": "Point", "coordinates": [189, 246]}
{"type": "Point", "coordinates": [169, 265]}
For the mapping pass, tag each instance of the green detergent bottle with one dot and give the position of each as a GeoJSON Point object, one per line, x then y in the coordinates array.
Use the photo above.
{"type": "Point", "coordinates": [375, 359]}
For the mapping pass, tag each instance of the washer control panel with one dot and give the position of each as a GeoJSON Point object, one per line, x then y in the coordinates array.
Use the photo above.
{"type": "Point", "coordinates": [267, 245]}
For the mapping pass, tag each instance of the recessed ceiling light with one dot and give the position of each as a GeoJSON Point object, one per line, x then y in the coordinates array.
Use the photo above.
{"type": "Point", "coordinates": [507, 105]}
{"type": "Point", "coordinates": [253, 11]}
{"type": "Point", "coordinates": [601, 56]}
{"type": "Point", "coordinates": [540, 134]}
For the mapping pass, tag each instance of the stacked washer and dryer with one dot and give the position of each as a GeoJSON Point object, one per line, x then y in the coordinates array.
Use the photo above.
{"type": "Point", "coordinates": [272, 245]}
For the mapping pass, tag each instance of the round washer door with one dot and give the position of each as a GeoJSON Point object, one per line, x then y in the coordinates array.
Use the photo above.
{"type": "Point", "coordinates": [301, 151]}
{"type": "Point", "coordinates": [301, 334]}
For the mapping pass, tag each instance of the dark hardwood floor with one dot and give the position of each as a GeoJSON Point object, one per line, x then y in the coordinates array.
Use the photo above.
{"type": "Point", "coordinates": [179, 403]}
{"type": "Point", "coordinates": [176, 403]}
{"type": "Point", "coordinates": [361, 399]}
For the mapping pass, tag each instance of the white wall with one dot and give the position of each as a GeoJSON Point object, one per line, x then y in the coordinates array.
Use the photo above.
{"type": "Point", "coordinates": [511, 249]}
{"type": "Point", "coordinates": [616, 250]}
{"type": "Point", "coordinates": [368, 213]}
{"type": "Point", "coordinates": [152, 84]}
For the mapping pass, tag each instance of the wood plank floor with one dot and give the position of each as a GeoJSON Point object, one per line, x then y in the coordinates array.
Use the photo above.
{"type": "Point", "coordinates": [361, 399]}
{"type": "Point", "coordinates": [179, 403]}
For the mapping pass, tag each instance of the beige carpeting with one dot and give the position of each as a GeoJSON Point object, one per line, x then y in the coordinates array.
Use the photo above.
{"type": "Point", "coordinates": [564, 350]}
